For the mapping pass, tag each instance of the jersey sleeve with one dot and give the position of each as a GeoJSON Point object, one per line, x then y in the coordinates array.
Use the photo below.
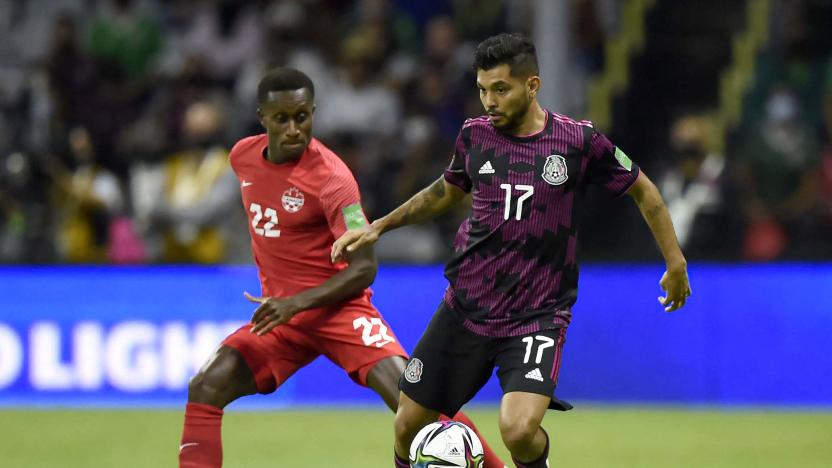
{"type": "Point", "coordinates": [341, 203]}
{"type": "Point", "coordinates": [236, 151]}
{"type": "Point", "coordinates": [455, 173]}
{"type": "Point", "coordinates": [231, 157]}
{"type": "Point", "coordinates": [609, 167]}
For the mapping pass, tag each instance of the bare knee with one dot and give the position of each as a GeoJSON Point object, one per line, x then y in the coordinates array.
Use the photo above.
{"type": "Point", "coordinates": [222, 380]}
{"type": "Point", "coordinates": [406, 426]}
{"type": "Point", "coordinates": [518, 432]}
{"type": "Point", "coordinates": [410, 418]}
{"type": "Point", "coordinates": [204, 389]}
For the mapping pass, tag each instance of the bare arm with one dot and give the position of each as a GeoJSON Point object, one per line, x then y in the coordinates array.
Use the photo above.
{"type": "Point", "coordinates": [346, 284]}
{"type": "Point", "coordinates": [675, 280]}
{"type": "Point", "coordinates": [430, 202]}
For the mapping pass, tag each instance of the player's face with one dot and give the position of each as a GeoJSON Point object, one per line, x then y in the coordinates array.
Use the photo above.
{"type": "Point", "coordinates": [287, 118]}
{"type": "Point", "coordinates": [505, 98]}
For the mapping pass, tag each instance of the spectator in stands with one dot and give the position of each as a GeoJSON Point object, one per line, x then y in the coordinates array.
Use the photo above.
{"type": "Point", "coordinates": [124, 39]}
{"type": "Point", "coordinates": [694, 188]}
{"type": "Point", "coordinates": [291, 38]}
{"type": "Point", "coordinates": [445, 77]}
{"type": "Point", "coordinates": [589, 36]}
{"type": "Point", "coordinates": [126, 34]}
{"type": "Point", "coordinates": [88, 199]}
{"type": "Point", "coordinates": [225, 35]}
{"type": "Point", "coordinates": [25, 216]}
{"type": "Point", "coordinates": [71, 80]}
{"type": "Point", "coordinates": [360, 116]}
{"type": "Point", "coordinates": [825, 174]}
{"type": "Point", "coordinates": [778, 179]}
{"type": "Point", "coordinates": [411, 166]}
{"type": "Point", "coordinates": [476, 19]}
{"type": "Point", "coordinates": [25, 24]}
{"type": "Point", "coordinates": [357, 103]}
{"type": "Point", "coordinates": [188, 204]}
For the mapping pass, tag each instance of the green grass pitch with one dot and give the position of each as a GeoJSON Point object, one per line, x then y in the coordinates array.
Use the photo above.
{"type": "Point", "coordinates": [588, 436]}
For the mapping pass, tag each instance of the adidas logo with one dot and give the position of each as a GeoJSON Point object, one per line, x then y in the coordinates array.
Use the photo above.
{"type": "Point", "coordinates": [486, 168]}
{"type": "Point", "coordinates": [535, 375]}
{"type": "Point", "coordinates": [453, 451]}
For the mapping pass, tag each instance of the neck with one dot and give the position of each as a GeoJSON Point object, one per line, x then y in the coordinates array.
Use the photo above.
{"type": "Point", "coordinates": [533, 122]}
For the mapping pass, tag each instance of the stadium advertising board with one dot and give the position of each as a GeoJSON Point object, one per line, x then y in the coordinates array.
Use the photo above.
{"type": "Point", "coordinates": [133, 336]}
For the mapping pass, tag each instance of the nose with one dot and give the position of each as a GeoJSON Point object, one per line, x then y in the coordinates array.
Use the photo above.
{"type": "Point", "coordinates": [292, 130]}
{"type": "Point", "coordinates": [489, 102]}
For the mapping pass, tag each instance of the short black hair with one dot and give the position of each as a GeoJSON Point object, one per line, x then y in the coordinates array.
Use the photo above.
{"type": "Point", "coordinates": [514, 49]}
{"type": "Point", "coordinates": [283, 79]}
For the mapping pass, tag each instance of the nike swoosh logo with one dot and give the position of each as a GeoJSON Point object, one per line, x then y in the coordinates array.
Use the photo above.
{"type": "Point", "coordinates": [246, 184]}
{"type": "Point", "coordinates": [184, 446]}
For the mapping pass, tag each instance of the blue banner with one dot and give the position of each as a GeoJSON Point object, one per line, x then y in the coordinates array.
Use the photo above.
{"type": "Point", "coordinates": [102, 336]}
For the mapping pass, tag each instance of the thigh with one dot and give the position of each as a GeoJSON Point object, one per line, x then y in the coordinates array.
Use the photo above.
{"type": "Point", "coordinates": [531, 363]}
{"type": "Point", "coordinates": [383, 378]}
{"type": "Point", "coordinates": [356, 338]}
{"type": "Point", "coordinates": [449, 365]}
{"type": "Point", "coordinates": [275, 356]}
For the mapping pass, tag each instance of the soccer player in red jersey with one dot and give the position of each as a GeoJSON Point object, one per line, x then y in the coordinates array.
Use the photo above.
{"type": "Point", "coordinates": [513, 279]}
{"type": "Point", "coordinates": [299, 197]}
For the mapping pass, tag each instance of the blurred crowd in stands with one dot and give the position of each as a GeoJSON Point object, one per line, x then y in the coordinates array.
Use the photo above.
{"type": "Point", "coordinates": [116, 117]}
{"type": "Point", "coordinates": [769, 196]}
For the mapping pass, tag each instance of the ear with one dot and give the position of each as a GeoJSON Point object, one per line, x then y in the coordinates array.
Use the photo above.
{"type": "Point", "coordinates": [533, 86]}
{"type": "Point", "coordinates": [313, 108]}
{"type": "Point", "coordinates": [260, 117]}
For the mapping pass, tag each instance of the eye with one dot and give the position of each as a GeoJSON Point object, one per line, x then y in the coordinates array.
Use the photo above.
{"type": "Point", "coordinates": [501, 90]}
{"type": "Point", "coordinates": [281, 118]}
{"type": "Point", "coordinates": [302, 117]}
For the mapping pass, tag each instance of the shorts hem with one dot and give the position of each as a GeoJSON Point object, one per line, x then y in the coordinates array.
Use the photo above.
{"type": "Point", "coordinates": [360, 374]}
{"type": "Point", "coordinates": [264, 379]}
{"type": "Point", "coordinates": [554, 402]}
{"type": "Point", "coordinates": [418, 400]}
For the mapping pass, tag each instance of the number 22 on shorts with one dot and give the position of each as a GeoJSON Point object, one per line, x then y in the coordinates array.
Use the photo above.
{"type": "Point", "coordinates": [377, 339]}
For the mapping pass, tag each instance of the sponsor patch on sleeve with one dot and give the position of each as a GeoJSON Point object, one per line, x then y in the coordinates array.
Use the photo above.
{"type": "Point", "coordinates": [354, 216]}
{"type": "Point", "coordinates": [623, 159]}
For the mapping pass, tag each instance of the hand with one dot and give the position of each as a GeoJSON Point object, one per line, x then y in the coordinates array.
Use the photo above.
{"type": "Point", "coordinates": [676, 285]}
{"type": "Point", "coordinates": [353, 240]}
{"type": "Point", "coordinates": [271, 312]}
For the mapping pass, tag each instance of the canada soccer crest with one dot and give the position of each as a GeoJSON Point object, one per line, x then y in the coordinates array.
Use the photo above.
{"type": "Point", "coordinates": [554, 171]}
{"type": "Point", "coordinates": [292, 200]}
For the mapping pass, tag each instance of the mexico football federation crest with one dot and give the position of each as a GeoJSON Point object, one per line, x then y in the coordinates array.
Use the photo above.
{"type": "Point", "coordinates": [554, 171]}
{"type": "Point", "coordinates": [413, 372]}
{"type": "Point", "coordinates": [292, 200]}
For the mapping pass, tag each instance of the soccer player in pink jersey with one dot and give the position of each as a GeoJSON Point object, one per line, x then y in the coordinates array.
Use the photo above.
{"type": "Point", "coordinates": [513, 279]}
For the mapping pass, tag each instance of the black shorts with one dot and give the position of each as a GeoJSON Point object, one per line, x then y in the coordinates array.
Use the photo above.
{"type": "Point", "coordinates": [451, 364]}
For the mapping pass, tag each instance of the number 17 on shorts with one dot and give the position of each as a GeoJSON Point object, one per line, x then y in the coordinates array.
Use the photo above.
{"type": "Point", "coordinates": [531, 363]}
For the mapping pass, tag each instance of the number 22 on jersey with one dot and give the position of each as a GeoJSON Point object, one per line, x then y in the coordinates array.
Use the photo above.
{"type": "Point", "coordinates": [268, 228]}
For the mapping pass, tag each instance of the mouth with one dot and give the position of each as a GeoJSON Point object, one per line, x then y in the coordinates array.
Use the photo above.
{"type": "Point", "coordinates": [292, 144]}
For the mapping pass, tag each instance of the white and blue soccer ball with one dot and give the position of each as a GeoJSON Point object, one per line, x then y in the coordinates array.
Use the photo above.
{"type": "Point", "coordinates": [446, 444]}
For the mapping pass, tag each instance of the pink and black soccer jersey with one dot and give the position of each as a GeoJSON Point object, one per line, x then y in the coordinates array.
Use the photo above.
{"type": "Point", "coordinates": [514, 270]}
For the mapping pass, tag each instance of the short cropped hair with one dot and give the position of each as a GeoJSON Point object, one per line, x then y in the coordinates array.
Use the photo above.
{"type": "Point", "coordinates": [515, 50]}
{"type": "Point", "coordinates": [283, 79]}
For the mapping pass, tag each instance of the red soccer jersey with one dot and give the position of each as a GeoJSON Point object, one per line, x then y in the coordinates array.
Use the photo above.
{"type": "Point", "coordinates": [296, 211]}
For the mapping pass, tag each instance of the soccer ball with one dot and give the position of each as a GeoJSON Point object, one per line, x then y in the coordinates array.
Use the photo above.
{"type": "Point", "coordinates": [446, 444]}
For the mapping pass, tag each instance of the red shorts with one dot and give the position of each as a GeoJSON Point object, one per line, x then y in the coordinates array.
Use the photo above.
{"type": "Point", "coordinates": [353, 336]}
